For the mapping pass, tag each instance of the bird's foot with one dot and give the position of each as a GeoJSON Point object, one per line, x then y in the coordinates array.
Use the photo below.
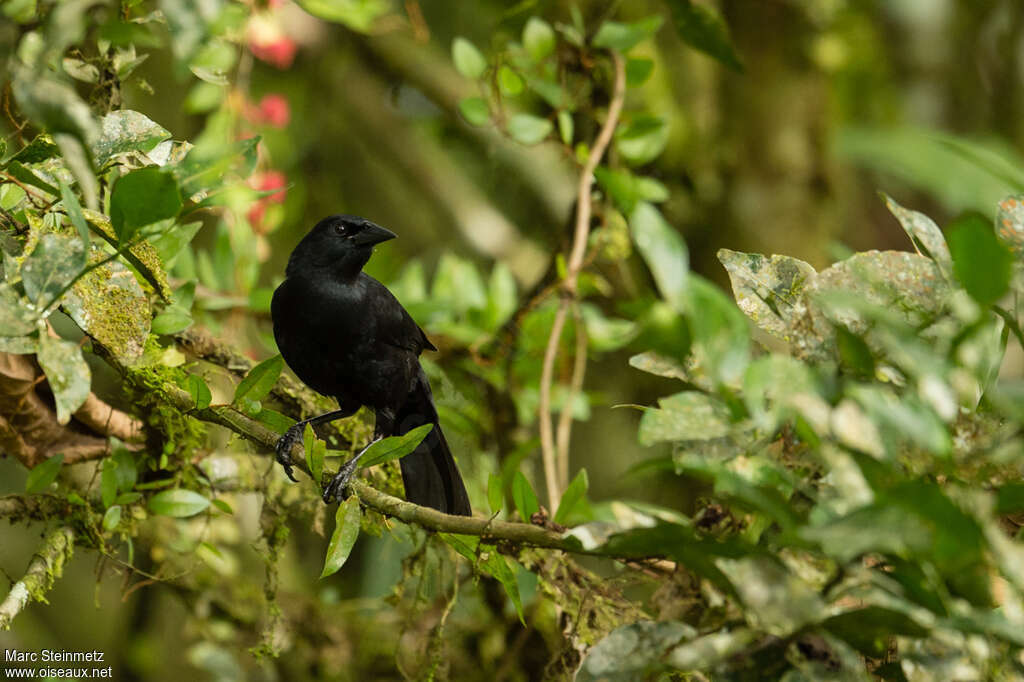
{"type": "Point", "coordinates": [337, 489]}
{"type": "Point", "coordinates": [283, 450]}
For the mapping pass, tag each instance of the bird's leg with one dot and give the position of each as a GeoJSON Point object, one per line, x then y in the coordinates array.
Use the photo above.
{"type": "Point", "coordinates": [294, 433]}
{"type": "Point", "coordinates": [335, 490]}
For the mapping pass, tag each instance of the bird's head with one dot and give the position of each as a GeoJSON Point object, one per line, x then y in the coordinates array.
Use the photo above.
{"type": "Point", "coordinates": [340, 244]}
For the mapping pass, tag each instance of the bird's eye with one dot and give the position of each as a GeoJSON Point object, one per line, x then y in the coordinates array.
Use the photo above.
{"type": "Point", "coordinates": [340, 229]}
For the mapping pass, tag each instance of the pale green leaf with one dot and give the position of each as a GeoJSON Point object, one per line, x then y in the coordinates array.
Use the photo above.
{"type": "Point", "coordinates": [178, 502]}
{"type": "Point", "coordinates": [347, 520]}
{"type": "Point", "coordinates": [67, 373]}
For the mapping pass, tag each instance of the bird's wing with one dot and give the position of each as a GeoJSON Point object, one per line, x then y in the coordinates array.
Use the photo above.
{"type": "Point", "coordinates": [395, 325]}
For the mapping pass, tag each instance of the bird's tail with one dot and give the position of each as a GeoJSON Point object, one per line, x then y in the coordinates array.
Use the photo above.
{"type": "Point", "coordinates": [429, 472]}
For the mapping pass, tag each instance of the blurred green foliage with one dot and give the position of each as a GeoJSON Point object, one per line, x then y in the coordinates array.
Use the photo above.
{"type": "Point", "coordinates": [832, 488]}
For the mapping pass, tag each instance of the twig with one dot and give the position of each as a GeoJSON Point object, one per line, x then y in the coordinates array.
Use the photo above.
{"type": "Point", "coordinates": [488, 530]}
{"type": "Point", "coordinates": [549, 452]}
{"type": "Point", "coordinates": [34, 507]}
{"type": "Point", "coordinates": [45, 567]}
{"type": "Point", "coordinates": [579, 371]}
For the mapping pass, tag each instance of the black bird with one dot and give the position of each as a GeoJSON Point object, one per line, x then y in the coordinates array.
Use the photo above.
{"type": "Point", "coordinates": [345, 335]}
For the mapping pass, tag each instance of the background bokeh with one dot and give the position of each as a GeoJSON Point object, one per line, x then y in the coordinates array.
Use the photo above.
{"type": "Point", "coordinates": [838, 99]}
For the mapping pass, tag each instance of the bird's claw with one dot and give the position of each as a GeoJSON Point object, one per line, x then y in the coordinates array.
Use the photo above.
{"type": "Point", "coordinates": [336, 490]}
{"type": "Point", "coordinates": [283, 450]}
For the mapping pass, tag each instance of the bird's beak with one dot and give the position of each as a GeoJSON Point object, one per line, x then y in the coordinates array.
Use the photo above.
{"type": "Point", "coordinates": [373, 234]}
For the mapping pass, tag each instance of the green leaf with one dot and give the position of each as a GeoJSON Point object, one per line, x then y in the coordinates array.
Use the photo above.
{"type": "Point", "coordinates": [659, 365]}
{"type": "Point", "coordinates": [684, 416]}
{"type": "Point", "coordinates": [524, 497]}
{"type": "Point", "coordinates": [126, 131]}
{"type": "Point", "coordinates": [260, 380]}
{"type": "Point", "coordinates": [870, 629]}
{"type": "Point", "coordinates": [572, 496]}
{"type": "Point", "coordinates": [980, 261]}
{"type": "Point", "coordinates": [769, 289]}
{"type": "Point", "coordinates": [316, 451]}
{"type": "Point", "coordinates": [28, 177]}
{"type": "Point", "coordinates": [633, 652]}
{"type": "Point", "coordinates": [565, 127]}
{"type": "Point", "coordinates": [358, 15]}
{"type": "Point", "coordinates": [622, 37]}
{"type": "Point", "coordinates": [469, 61]}
{"type": "Point", "coordinates": [54, 262]}
{"type": "Point", "coordinates": [663, 250]}
{"type": "Point", "coordinates": [538, 38]}
{"type": "Point", "coordinates": [777, 601]}
{"type": "Point", "coordinates": [395, 447]}
{"type": "Point", "coordinates": [457, 283]}
{"type": "Point", "coordinates": [142, 197]}
{"type": "Point", "coordinates": [509, 82]}
{"type": "Point", "coordinates": [347, 520]}
{"type": "Point", "coordinates": [475, 111]}
{"type": "Point", "coordinates": [74, 211]}
{"type": "Point", "coordinates": [109, 304]}
{"type": "Point", "coordinates": [171, 321]}
{"type": "Point", "coordinates": [67, 373]}
{"type": "Point", "coordinates": [204, 169]}
{"type": "Point", "coordinates": [126, 471]}
{"type": "Point", "coordinates": [496, 493]}
{"type": "Point", "coordinates": [528, 129]}
{"type": "Point", "coordinates": [275, 420]}
{"type": "Point", "coordinates": [16, 319]}
{"type": "Point", "coordinates": [642, 139]}
{"type": "Point", "coordinates": [128, 498]}
{"type": "Point", "coordinates": [924, 234]}
{"type": "Point", "coordinates": [719, 330]}
{"type": "Point", "coordinates": [703, 29]}
{"type": "Point", "coordinates": [21, 11]}
{"type": "Point", "coordinates": [223, 506]}
{"type": "Point", "coordinates": [606, 333]}
{"type": "Point", "coordinates": [53, 104]}
{"type": "Point", "coordinates": [108, 482]}
{"type": "Point", "coordinates": [39, 149]}
{"type": "Point", "coordinates": [44, 473]}
{"type": "Point", "coordinates": [170, 243]}
{"type": "Point", "coordinates": [204, 97]}
{"type": "Point", "coordinates": [931, 161]}
{"type": "Point", "coordinates": [112, 518]}
{"type": "Point", "coordinates": [178, 502]}
{"type": "Point", "coordinates": [551, 91]}
{"type": "Point", "coordinates": [198, 391]}
{"type": "Point", "coordinates": [490, 562]}
{"type": "Point", "coordinates": [501, 296]}
{"type": "Point", "coordinates": [638, 70]}
{"type": "Point", "coordinates": [77, 161]}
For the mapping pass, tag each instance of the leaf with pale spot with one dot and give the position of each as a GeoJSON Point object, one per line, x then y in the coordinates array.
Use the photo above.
{"type": "Point", "coordinates": [66, 372]}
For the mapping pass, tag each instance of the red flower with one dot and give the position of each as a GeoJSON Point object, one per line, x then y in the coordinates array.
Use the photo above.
{"type": "Point", "coordinates": [274, 110]}
{"type": "Point", "coordinates": [268, 42]}
{"type": "Point", "coordinates": [263, 182]}
{"type": "Point", "coordinates": [279, 53]}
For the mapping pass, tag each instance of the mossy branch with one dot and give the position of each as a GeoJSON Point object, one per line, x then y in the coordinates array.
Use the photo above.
{"type": "Point", "coordinates": [46, 566]}
{"type": "Point", "coordinates": [490, 530]}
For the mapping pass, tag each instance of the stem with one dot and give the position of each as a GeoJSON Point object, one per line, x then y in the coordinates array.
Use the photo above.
{"type": "Point", "coordinates": [45, 567]}
{"type": "Point", "coordinates": [488, 530]}
{"type": "Point", "coordinates": [579, 371]}
{"type": "Point", "coordinates": [553, 456]}
{"type": "Point", "coordinates": [1011, 323]}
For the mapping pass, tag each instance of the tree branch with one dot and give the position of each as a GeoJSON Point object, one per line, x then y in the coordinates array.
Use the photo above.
{"type": "Point", "coordinates": [33, 507]}
{"type": "Point", "coordinates": [46, 566]}
{"type": "Point", "coordinates": [552, 456]}
{"type": "Point", "coordinates": [488, 530]}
